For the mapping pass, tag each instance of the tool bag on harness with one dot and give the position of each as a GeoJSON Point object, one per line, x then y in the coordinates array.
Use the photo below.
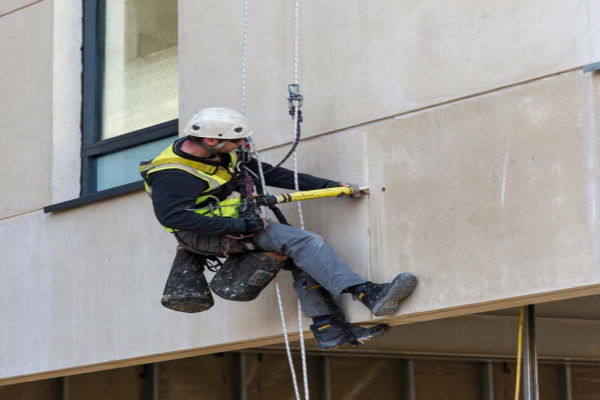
{"type": "Point", "coordinates": [244, 276]}
{"type": "Point", "coordinates": [186, 289]}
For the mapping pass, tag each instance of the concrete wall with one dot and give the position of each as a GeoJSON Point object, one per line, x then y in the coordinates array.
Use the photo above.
{"type": "Point", "coordinates": [474, 128]}
{"type": "Point", "coordinates": [26, 101]}
{"type": "Point", "coordinates": [470, 121]}
{"type": "Point", "coordinates": [361, 62]}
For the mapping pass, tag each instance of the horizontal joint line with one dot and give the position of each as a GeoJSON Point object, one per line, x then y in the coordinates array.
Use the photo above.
{"type": "Point", "coordinates": [20, 8]}
{"type": "Point", "coordinates": [430, 107]}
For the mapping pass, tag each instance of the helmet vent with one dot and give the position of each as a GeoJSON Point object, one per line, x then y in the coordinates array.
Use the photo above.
{"type": "Point", "coordinates": [196, 127]}
{"type": "Point", "coordinates": [238, 130]}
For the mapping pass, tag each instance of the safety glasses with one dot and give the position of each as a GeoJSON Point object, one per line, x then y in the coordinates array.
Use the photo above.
{"type": "Point", "coordinates": [238, 141]}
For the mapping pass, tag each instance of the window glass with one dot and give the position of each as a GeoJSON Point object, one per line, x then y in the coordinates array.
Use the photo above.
{"type": "Point", "coordinates": [139, 85]}
{"type": "Point", "coordinates": [123, 167]}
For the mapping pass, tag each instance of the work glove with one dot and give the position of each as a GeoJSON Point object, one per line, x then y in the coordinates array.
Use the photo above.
{"type": "Point", "coordinates": [254, 223]}
{"type": "Point", "coordinates": [357, 191]}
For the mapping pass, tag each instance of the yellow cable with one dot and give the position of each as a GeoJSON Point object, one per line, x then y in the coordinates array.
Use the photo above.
{"type": "Point", "coordinates": [520, 345]}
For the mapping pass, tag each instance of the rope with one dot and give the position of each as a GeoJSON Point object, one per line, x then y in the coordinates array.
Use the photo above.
{"type": "Point", "coordinates": [301, 219]}
{"type": "Point", "coordinates": [296, 182]}
{"type": "Point", "coordinates": [296, 40]}
{"type": "Point", "coordinates": [264, 189]}
{"type": "Point", "coordinates": [245, 57]}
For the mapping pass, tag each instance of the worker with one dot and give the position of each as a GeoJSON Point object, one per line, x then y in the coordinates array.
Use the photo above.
{"type": "Point", "coordinates": [200, 169]}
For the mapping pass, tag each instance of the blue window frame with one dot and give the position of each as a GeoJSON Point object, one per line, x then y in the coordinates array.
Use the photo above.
{"type": "Point", "coordinates": [129, 89]}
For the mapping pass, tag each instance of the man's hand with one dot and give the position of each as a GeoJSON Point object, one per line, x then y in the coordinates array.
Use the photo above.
{"type": "Point", "coordinates": [255, 223]}
{"type": "Point", "coordinates": [357, 191]}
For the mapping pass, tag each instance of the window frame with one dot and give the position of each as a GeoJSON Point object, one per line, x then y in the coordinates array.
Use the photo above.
{"type": "Point", "coordinates": [92, 147]}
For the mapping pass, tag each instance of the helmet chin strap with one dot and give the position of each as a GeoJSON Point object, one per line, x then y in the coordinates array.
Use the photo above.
{"type": "Point", "coordinates": [211, 149]}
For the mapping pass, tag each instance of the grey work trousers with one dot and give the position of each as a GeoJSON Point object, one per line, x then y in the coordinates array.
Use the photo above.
{"type": "Point", "coordinates": [309, 251]}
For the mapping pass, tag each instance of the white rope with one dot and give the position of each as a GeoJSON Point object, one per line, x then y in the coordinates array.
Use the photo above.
{"type": "Point", "coordinates": [296, 40]}
{"type": "Point", "coordinates": [300, 328]}
{"type": "Point", "coordinates": [297, 184]}
{"type": "Point", "coordinates": [264, 187]}
{"type": "Point", "coordinates": [245, 57]}
{"type": "Point", "coordinates": [287, 340]}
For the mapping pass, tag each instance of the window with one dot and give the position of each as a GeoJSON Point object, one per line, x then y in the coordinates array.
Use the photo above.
{"type": "Point", "coordinates": [130, 88]}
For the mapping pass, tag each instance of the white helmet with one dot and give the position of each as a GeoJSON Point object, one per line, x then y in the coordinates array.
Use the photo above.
{"type": "Point", "coordinates": [218, 123]}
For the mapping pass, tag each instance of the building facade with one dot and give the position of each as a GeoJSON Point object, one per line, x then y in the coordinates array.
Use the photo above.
{"type": "Point", "coordinates": [473, 123]}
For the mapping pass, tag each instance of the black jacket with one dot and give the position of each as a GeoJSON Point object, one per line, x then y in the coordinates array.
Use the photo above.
{"type": "Point", "coordinates": [174, 191]}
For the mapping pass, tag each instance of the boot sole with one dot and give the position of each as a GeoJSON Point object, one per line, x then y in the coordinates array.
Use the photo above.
{"type": "Point", "coordinates": [382, 332]}
{"type": "Point", "coordinates": [334, 344]}
{"type": "Point", "coordinates": [402, 286]}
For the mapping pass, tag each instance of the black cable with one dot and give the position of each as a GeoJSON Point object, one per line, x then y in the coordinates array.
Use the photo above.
{"type": "Point", "coordinates": [293, 148]}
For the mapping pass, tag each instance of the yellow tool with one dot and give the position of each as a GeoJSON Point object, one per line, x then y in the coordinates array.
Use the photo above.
{"type": "Point", "coordinates": [311, 195]}
{"type": "Point", "coordinates": [253, 204]}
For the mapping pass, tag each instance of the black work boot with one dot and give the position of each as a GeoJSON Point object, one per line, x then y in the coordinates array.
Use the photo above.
{"type": "Point", "coordinates": [330, 334]}
{"type": "Point", "coordinates": [384, 299]}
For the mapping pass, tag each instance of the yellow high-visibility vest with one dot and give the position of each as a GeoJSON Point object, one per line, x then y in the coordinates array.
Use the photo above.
{"type": "Point", "coordinates": [214, 176]}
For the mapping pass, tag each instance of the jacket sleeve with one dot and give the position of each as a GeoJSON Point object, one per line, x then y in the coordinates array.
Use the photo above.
{"type": "Point", "coordinates": [174, 192]}
{"type": "Point", "coordinates": [284, 178]}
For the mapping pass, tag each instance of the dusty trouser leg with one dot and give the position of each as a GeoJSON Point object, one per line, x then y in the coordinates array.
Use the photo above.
{"type": "Point", "coordinates": [316, 301]}
{"type": "Point", "coordinates": [310, 253]}
{"type": "Point", "coordinates": [312, 301]}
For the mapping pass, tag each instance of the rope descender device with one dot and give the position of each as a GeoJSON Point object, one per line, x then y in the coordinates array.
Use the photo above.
{"type": "Point", "coordinates": [295, 98]}
{"type": "Point", "coordinates": [295, 102]}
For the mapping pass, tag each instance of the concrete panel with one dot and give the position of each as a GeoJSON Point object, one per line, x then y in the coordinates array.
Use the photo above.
{"type": "Point", "coordinates": [66, 101]}
{"type": "Point", "coordinates": [595, 29]}
{"type": "Point", "coordinates": [490, 198]}
{"type": "Point", "coordinates": [91, 290]}
{"type": "Point", "coordinates": [93, 275]}
{"type": "Point", "coordinates": [363, 61]}
{"type": "Point", "coordinates": [26, 98]}
{"type": "Point", "coordinates": [9, 6]}
{"type": "Point", "coordinates": [486, 200]}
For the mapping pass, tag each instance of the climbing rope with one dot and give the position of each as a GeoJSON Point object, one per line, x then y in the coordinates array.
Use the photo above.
{"type": "Point", "coordinates": [296, 102]}
{"type": "Point", "coordinates": [245, 57]}
{"type": "Point", "coordinates": [267, 214]}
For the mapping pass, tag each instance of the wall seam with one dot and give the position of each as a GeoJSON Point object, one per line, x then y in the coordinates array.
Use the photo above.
{"type": "Point", "coordinates": [21, 214]}
{"type": "Point", "coordinates": [21, 8]}
{"type": "Point", "coordinates": [431, 106]}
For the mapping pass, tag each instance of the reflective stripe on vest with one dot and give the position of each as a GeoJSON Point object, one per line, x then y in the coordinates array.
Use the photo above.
{"type": "Point", "coordinates": [214, 176]}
